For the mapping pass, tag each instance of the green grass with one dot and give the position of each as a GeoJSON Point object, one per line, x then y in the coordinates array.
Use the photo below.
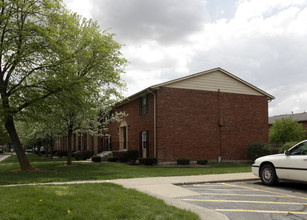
{"type": "Point", "coordinates": [34, 158]}
{"type": "Point", "coordinates": [52, 171]}
{"type": "Point", "coordinates": [90, 201]}
{"type": "Point", "coordinates": [84, 201]}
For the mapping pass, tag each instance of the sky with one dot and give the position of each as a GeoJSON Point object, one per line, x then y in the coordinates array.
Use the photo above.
{"type": "Point", "coordinates": [262, 42]}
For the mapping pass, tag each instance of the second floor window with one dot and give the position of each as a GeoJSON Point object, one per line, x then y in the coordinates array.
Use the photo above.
{"type": "Point", "coordinates": [143, 104]}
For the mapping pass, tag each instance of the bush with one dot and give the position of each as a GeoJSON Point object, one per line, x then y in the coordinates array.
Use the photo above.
{"type": "Point", "coordinates": [286, 130]}
{"type": "Point", "coordinates": [286, 146]}
{"type": "Point", "coordinates": [202, 161]}
{"type": "Point", "coordinates": [88, 154]}
{"type": "Point", "coordinates": [275, 150]}
{"type": "Point", "coordinates": [148, 161]}
{"type": "Point", "coordinates": [83, 155]}
{"type": "Point", "coordinates": [132, 155]}
{"type": "Point", "coordinates": [96, 159]}
{"type": "Point", "coordinates": [112, 159]}
{"type": "Point", "coordinates": [61, 153]}
{"type": "Point", "coordinates": [79, 155]}
{"type": "Point", "coordinates": [122, 156]}
{"type": "Point", "coordinates": [183, 161]}
{"type": "Point", "coordinates": [256, 150]}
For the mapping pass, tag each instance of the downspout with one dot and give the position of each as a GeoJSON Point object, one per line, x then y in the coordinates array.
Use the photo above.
{"type": "Point", "coordinates": [220, 127]}
{"type": "Point", "coordinates": [155, 123]}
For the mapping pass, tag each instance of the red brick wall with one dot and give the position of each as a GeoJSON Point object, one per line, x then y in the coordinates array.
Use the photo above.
{"type": "Point", "coordinates": [188, 124]}
{"type": "Point", "coordinates": [137, 123]}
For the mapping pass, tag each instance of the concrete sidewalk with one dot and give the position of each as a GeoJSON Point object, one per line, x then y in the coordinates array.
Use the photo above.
{"type": "Point", "coordinates": [4, 156]}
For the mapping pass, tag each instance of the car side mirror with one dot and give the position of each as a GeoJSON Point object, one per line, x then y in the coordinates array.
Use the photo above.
{"type": "Point", "coordinates": [287, 152]}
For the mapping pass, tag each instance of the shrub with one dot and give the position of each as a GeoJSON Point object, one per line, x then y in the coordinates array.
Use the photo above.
{"type": "Point", "coordinates": [257, 149]}
{"type": "Point", "coordinates": [83, 155]}
{"type": "Point", "coordinates": [132, 155]}
{"type": "Point", "coordinates": [148, 161]}
{"type": "Point", "coordinates": [88, 154]}
{"type": "Point", "coordinates": [122, 156]}
{"type": "Point", "coordinates": [275, 150]}
{"type": "Point", "coordinates": [183, 161]}
{"type": "Point", "coordinates": [286, 146]}
{"type": "Point", "coordinates": [96, 159]}
{"type": "Point", "coordinates": [78, 155]}
{"type": "Point", "coordinates": [286, 130]}
{"type": "Point", "coordinates": [61, 153]}
{"type": "Point", "coordinates": [202, 161]}
{"type": "Point", "coordinates": [112, 159]}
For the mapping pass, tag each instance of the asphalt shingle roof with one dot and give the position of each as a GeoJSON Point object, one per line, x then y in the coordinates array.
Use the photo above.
{"type": "Point", "coordinates": [296, 117]}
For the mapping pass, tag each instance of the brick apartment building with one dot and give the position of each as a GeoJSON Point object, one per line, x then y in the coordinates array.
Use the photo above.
{"type": "Point", "coordinates": [211, 114]}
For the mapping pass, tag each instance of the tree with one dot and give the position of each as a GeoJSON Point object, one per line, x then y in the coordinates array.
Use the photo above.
{"type": "Point", "coordinates": [286, 130]}
{"type": "Point", "coordinates": [4, 137]}
{"type": "Point", "coordinates": [96, 70]}
{"type": "Point", "coordinates": [46, 51]}
{"type": "Point", "coordinates": [41, 131]}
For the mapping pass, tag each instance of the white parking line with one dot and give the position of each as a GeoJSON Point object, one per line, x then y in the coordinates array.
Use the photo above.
{"type": "Point", "coordinates": [264, 194]}
{"type": "Point", "coordinates": [245, 201]}
{"type": "Point", "coordinates": [261, 211]}
{"type": "Point", "coordinates": [267, 191]}
{"type": "Point", "coordinates": [244, 195]}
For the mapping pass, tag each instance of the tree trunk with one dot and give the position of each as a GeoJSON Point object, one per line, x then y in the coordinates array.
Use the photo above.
{"type": "Point", "coordinates": [46, 150]}
{"type": "Point", "coordinates": [23, 160]}
{"type": "Point", "coordinates": [69, 145]}
{"type": "Point", "coordinates": [51, 144]}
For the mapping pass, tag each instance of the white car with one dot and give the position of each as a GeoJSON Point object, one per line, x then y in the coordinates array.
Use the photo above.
{"type": "Point", "coordinates": [291, 165]}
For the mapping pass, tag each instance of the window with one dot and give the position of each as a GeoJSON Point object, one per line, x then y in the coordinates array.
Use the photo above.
{"type": "Point", "coordinates": [144, 140]}
{"type": "Point", "coordinates": [144, 144]}
{"type": "Point", "coordinates": [300, 149]}
{"type": "Point", "coordinates": [143, 105]}
{"type": "Point", "coordinates": [109, 143]}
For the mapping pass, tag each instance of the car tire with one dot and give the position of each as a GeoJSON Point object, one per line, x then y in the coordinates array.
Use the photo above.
{"type": "Point", "coordinates": [268, 175]}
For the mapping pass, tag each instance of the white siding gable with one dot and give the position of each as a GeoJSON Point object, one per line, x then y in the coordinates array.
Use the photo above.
{"type": "Point", "coordinates": [214, 81]}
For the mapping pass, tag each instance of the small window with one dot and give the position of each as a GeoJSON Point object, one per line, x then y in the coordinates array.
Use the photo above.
{"type": "Point", "coordinates": [143, 105]}
{"type": "Point", "coordinates": [109, 143]}
{"type": "Point", "coordinates": [144, 139]}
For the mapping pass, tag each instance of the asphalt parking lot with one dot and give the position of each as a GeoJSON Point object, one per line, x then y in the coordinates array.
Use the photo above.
{"type": "Point", "coordinates": [252, 200]}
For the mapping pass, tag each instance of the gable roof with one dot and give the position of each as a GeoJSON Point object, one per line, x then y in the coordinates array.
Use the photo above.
{"type": "Point", "coordinates": [216, 79]}
{"type": "Point", "coordinates": [299, 117]}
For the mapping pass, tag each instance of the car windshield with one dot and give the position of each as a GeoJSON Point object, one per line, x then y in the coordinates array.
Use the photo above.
{"type": "Point", "coordinates": [300, 149]}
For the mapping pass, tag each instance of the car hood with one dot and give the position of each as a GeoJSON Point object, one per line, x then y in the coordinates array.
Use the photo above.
{"type": "Point", "coordinates": [268, 157]}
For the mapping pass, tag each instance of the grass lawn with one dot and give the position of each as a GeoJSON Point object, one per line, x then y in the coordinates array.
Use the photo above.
{"type": "Point", "coordinates": [84, 201]}
{"type": "Point", "coordinates": [54, 171]}
{"type": "Point", "coordinates": [90, 201]}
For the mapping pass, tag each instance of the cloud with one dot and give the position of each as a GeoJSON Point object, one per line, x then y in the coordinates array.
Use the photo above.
{"type": "Point", "coordinates": [265, 46]}
{"type": "Point", "coordinates": [291, 99]}
{"type": "Point", "coordinates": [164, 21]}
{"type": "Point", "coordinates": [263, 42]}
{"type": "Point", "coordinates": [82, 7]}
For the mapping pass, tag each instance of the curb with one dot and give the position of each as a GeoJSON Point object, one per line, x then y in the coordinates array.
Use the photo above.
{"type": "Point", "coordinates": [214, 181]}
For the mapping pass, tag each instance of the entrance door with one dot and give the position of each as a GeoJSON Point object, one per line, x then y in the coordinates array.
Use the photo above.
{"type": "Point", "coordinates": [123, 136]}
